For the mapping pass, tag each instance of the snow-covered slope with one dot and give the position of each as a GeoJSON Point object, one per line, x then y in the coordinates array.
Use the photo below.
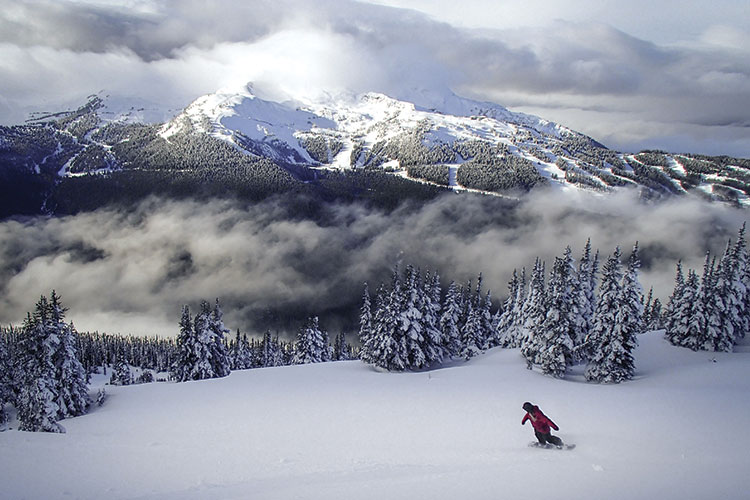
{"type": "Point", "coordinates": [440, 138]}
{"type": "Point", "coordinates": [343, 431]}
{"type": "Point", "coordinates": [362, 121]}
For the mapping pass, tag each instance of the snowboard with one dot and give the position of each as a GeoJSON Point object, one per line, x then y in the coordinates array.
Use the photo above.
{"type": "Point", "coordinates": [548, 446]}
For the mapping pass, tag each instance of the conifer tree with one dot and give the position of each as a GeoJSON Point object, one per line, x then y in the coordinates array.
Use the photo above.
{"type": "Point", "coordinates": [555, 339]}
{"type": "Point", "coordinates": [433, 338]}
{"type": "Point", "coordinates": [240, 354]}
{"type": "Point", "coordinates": [72, 388]}
{"type": "Point", "coordinates": [365, 326]}
{"type": "Point", "coordinates": [217, 346]}
{"type": "Point", "coordinates": [515, 332]}
{"type": "Point", "coordinates": [656, 321]}
{"type": "Point", "coordinates": [187, 356]}
{"type": "Point", "coordinates": [697, 321]}
{"type": "Point", "coordinates": [616, 328]}
{"type": "Point", "coordinates": [5, 381]}
{"type": "Point", "coordinates": [682, 316]}
{"type": "Point", "coordinates": [471, 334]}
{"type": "Point", "coordinates": [676, 312]}
{"type": "Point", "coordinates": [505, 332]}
{"type": "Point", "coordinates": [533, 313]}
{"type": "Point", "coordinates": [392, 352]}
{"type": "Point", "coordinates": [588, 268]}
{"type": "Point", "coordinates": [36, 402]}
{"type": "Point", "coordinates": [312, 344]}
{"type": "Point", "coordinates": [489, 339]}
{"type": "Point", "coordinates": [449, 321]}
{"type": "Point", "coordinates": [341, 350]}
{"type": "Point", "coordinates": [600, 338]}
{"type": "Point", "coordinates": [732, 290]}
{"type": "Point", "coordinates": [718, 334]}
{"type": "Point", "coordinates": [410, 321]}
{"type": "Point", "coordinates": [202, 351]}
{"type": "Point", "coordinates": [647, 309]}
{"type": "Point", "coordinates": [742, 286]}
{"type": "Point", "coordinates": [121, 374]}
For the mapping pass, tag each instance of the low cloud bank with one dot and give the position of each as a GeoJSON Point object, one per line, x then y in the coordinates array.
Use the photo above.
{"type": "Point", "coordinates": [130, 272]}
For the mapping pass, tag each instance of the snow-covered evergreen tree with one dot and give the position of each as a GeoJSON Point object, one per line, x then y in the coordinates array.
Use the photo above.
{"type": "Point", "coordinates": [739, 294]}
{"type": "Point", "coordinates": [652, 313]}
{"type": "Point", "coordinates": [312, 344]}
{"type": "Point", "coordinates": [605, 317]}
{"type": "Point", "coordinates": [588, 268]}
{"type": "Point", "coordinates": [389, 346]}
{"type": "Point", "coordinates": [5, 381]}
{"type": "Point", "coordinates": [433, 348]}
{"type": "Point", "coordinates": [471, 334]}
{"type": "Point", "coordinates": [681, 317]}
{"type": "Point", "coordinates": [697, 322]}
{"type": "Point", "coordinates": [410, 321]}
{"type": "Point", "coordinates": [676, 312]}
{"type": "Point", "coordinates": [36, 402]}
{"type": "Point", "coordinates": [217, 347]}
{"type": "Point", "coordinates": [341, 348]}
{"type": "Point", "coordinates": [718, 333]}
{"type": "Point", "coordinates": [489, 337]}
{"type": "Point", "coordinates": [187, 356]}
{"type": "Point", "coordinates": [449, 321]}
{"type": "Point", "coordinates": [533, 313]}
{"type": "Point", "coordinates": [72, 387]}
{"type": "Point", "coordinates": [554, 342]}
{"type": "Point", "coordinates": [240, 354]}
{"type": "Point", "coordinates": [121, 374]}
{"type": "Point", "coordinates": [656, 316]}
{"type": "Point", "coordinates": [202, 351]}
{"type": "Point", "coordinates": [505, 333]}
{"type": "Point", "coordinates": [617, 322]}
{"type": "Point", "coordinates": [728, 298]}
{"type": "Point", "coordinates": [365, 326]}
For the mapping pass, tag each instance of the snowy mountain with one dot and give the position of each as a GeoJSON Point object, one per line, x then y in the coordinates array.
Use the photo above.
{"type": "Point", "coordinates": [343, 430]}
{"type": "Point", "coordinates": [245, 143]}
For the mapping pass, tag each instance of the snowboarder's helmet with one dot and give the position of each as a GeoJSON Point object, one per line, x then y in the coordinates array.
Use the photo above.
{"type": "Point", "coordinates": [528, 406]}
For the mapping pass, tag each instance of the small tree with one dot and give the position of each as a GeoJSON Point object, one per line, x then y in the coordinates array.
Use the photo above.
{"type": "Point", "coordinates": [121, 374]}
{"type": "Point", "coordinates": [311, 345]}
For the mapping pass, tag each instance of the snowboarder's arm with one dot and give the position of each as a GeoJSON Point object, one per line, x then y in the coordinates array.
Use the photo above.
{"type": "Point", "coordinates": [525, 418]}
{"type": "Point", "coordinates": [553, 425]}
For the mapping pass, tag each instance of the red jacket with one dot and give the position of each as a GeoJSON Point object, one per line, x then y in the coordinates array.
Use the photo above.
{"type": "Point", "coordinates": [539, 421]}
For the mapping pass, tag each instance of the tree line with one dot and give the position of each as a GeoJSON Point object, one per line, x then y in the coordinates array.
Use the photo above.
{"type": "Point", "coordinates": [556, 322]}
{"type": "Point", "coordinates": [575, 315]}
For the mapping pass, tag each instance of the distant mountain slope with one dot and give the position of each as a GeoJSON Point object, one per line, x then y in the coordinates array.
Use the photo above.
{"type": "Point", "coordinates": [346, 145]}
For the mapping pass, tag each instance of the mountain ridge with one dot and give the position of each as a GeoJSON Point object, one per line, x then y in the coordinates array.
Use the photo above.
{"type": "Point", "coordinates": [438, 140]}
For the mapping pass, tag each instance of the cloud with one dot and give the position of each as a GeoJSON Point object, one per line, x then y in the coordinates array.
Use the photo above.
{"type": "Point", "coordinates": [271, 266]}
{"type": "Point", "coordinates": [692, 92]}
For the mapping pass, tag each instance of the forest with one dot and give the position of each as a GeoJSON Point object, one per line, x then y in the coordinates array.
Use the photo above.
{"type": "Point", "coordinates": [586, 313]}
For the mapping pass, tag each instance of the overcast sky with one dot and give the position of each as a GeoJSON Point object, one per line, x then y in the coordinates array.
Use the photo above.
{"type": "Point", "coordinates": [673, 75]}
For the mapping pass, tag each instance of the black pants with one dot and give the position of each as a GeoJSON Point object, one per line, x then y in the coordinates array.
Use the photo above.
{"type": "Point", "coordinates": [548, 438]}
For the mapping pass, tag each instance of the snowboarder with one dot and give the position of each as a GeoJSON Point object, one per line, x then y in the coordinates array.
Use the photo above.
{"type": "Point", "coordinates": [541, 424]}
